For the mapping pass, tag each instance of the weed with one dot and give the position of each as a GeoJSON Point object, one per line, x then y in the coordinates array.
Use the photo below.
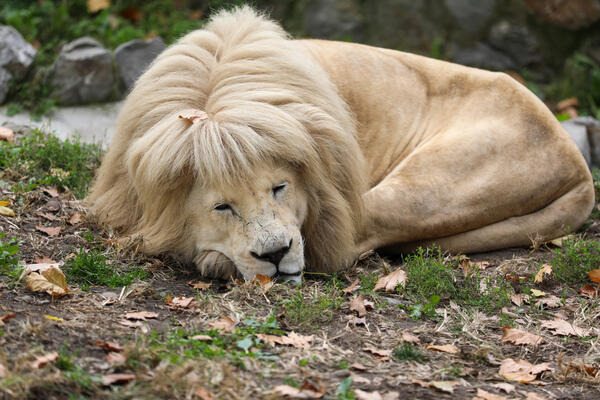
{"type": "Point", "coordinates": [429, 275]}
{"type": "Point", "coordinates": [46, 160]}
{"type": "Point", "coordinates": [9, 258]}
{"type": "Point", "coordinates": [572, 262]}
{"type": "Point", "coordinates": [408, 352]}
{"type": "Point", "coordinates": [419, 310]}
{"type": "Point", "coordinates": [91, 268]}
{"type": "Point", "coordinates": [309, 311]}
{"type": "Point", "coordinates": [344, 390]}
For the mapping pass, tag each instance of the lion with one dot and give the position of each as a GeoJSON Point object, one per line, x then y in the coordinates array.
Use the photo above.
{"type": "Point", "coordinates": [247, 152]}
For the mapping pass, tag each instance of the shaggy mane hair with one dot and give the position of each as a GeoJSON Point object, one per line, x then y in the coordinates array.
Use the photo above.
{"type": "Point", "coordinates": [267, 101]}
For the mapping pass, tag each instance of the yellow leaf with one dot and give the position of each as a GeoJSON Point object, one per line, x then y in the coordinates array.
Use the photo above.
{"type": "Point", "coordinates": [4, 203]}
{"type": "Point", "coordinates": [97, 5]}
{"type": "Point", "coordinates": [6, 211]}
{"type": "Point", "coordinates": [391, 281]}
{"type": "Point", "coordinates": [595, 275]}
{"type": "Point", "coordinates": [545, 270]}
{"type": "Point", "coordinates": [538, 293]}
{"type": "Point", "coordinates": [57, 319]}
{"type": "Point", "coordinates": [51, 281]}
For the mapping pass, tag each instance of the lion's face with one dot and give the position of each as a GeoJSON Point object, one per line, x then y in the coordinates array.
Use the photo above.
{"type": "Point", "coordinates": [255, 223]}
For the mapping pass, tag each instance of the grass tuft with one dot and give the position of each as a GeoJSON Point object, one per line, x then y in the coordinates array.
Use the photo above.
{"type": "Point", "coordinates": [408, 352]}
{"type": "Point", "coordinates": [9, 257]}
{"type": "Point", "coordinates": [572, 262]}
{"type": "Point", "coordinates": [311, 310]}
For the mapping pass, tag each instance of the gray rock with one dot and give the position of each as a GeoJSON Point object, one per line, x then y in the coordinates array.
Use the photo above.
{"type": "Point", "coordinates": [333, 19]}
{"type": "Point", "coordinates": [482, 55]}
{"type": "Point", "coordinates": [517, 42]}
{"type": "Point", "coordinates": [5, 79]}
{"type": "Point", "coordinates": [471, 15]}
{"type": "Point", "coordinates": [592, 126]}
{"type": "Point", "coordinates": [82, 73]}
{"type": "Point", "coordinates": [579, 133]}
{"type": "Point", "coordinates": [135, 56]}
{"type": "Point", "coordinates": [16, 55]}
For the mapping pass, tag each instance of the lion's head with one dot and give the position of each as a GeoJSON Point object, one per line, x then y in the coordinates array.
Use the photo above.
{"type": "Point", "coordinates": [271, 178]}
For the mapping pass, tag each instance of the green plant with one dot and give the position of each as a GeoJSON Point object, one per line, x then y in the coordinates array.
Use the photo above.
{"type": "Point", "coordinates": [344, 390]}
{"type": "Point", "coordinates": [419, 310]}
{"type": "Point", "coordinates": [572, 262]}
{"type": "Point", "coordinates": [91, 267]}
{"type": "Point", "coordinates": [9, 257]}
{"type": "Point", "coordinates": [408, 352]}
{"type": "Point", "coordinates": [308, 311]}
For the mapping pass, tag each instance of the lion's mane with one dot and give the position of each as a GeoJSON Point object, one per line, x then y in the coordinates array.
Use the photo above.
{"type": "Point", "coordinates": [266, 101]}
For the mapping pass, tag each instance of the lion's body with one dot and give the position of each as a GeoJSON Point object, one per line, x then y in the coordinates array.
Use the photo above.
{"type": "Point", "coordinates": [393, 150]}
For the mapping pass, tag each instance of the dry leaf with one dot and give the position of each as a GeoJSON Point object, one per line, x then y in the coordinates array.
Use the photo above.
{"type": "Point", "coordinates": [447, 348]}
{"type": "Point", "coordinates": [110, 346]}
{"type": "Point", "coordinates": [225, 324]}
{"type": "Point", "coordinates": [50, 191]}
{"type": "Point", "coordinates": [48, 216]}
{"type": "Point", "coordinates": [43, 260]}
{"type": "Point", "coordinates": [41, 361]}
{"type": "Point", "coordinates": [7, 212]}
{"type": "Point", "coordinates": [595, 275]}
{"type": "Point", "coordinates": [306, 391]}
{"type": "Point", "coordinates": [194, 116]}
{"type": "Point", "coordinates": [506, 387]}
{"type": "Point", "coordinates": [40, 267]}
{"type": "Point", "coordinates": [264, 281]}
{"type": "Point", "coordinates": [353, 287]}
{"type": "Point", "coordinates": [202, 338]}
{"type": "Point", "coordinates": [518, 336]}
{"type": "Point", "coordinates": [538, 293]}
{"type": "Point", "coordinates": [3, 371]}
{"type": "Point", "coordinates": [203, 394]}
{"type": "Point", "coordinates": [76, 218]}
{"type": "Point", "coordinates": [535, 396]}
{"type": "Point", "coordinates": [589, 291]}
{"type": "Point", "coordinates": [564, 328]}
{"type": "Point", "coordinates": [357, 321]}
{"type": "Point", "coordinates": [521, 370]}
{"type": "Point", "coordinates": [559, 242]}
{"type": "Point", "coordinates": [6, 317]}
{"type": "Point", "coordinates": [545, 270]}
{"type": "Point", "coordinates": [444, 386]}
{"type": "Point", "coordinates": [200, 285]}
{"type": "Point", "coordinates": [410, 338]}
{"type": "Point", "coordinates": [483, 395]}
{"type": "Point", "coordinates": [360, 305]}
{"type": "Point", "coordinates": [518, 299]}
{"type": "Point", "coordinates": [358, 367]}
{"type": "Point", "coordinates": [7, 134]}
{"type": "Point", "coordinates": [115, 358]}
{"type": "Point", "coordinates": [97, 5]}
{"type": "Point", "coordinates": [49, 230]}
{"type": "Point", "coordinates": [382, 354]}
{"type": "Point", "coordinates": [141, 315]}
{"type": "Point", "coordinates": [4, 203]}
{"type": "Point", "coordinates": [180, 302]}
{"type": "Point", "coordinates": [117, 379]}
{"type": "Point", "coordinates": [51, 281]}
{"type": "Point", "coordinates": [469, 266]}
{"type": "Point", "coordinates": [130, 324]}
{"type": "Point", "coordinates": [391, 281]}
{"type": "Point", "coordinates": [291, 339]}
{"type": "Point", "coordinates": [53, 318]}
{"type": "Point", "coordinates": [362, 395]}
{"type": "Point", "coordinates": [550, 301]}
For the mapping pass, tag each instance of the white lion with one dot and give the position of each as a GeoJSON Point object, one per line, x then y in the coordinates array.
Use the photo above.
{"type": "Point", "coordinates": [241, 149]}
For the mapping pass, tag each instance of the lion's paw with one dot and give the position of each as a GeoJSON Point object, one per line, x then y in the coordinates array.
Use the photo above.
{"type": "Point", "coordinates": [212, 264]}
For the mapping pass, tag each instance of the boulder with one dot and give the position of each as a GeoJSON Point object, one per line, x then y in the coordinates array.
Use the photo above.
{"type": "Point", "coordinates": [82, 73]}
{"type": "Point", "coordinates": [16, 55]}
{"type": "Point", "coordinates": [333, 19]}
{"type": "Point", "coordinates": [517, 42]}
{"type": "Point", "coordinates": [578, 130]}
{"type": "Point", "coordinates": [135, 56]}
{"type": "Point", "coordinates": [484, 56]}
{"type": "Point", "coordinates": [5, 79]}
{"type": "Point", "coordinates": [471, 15]}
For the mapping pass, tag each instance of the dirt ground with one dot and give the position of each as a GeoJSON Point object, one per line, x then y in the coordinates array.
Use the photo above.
{"type": "Point", "coordinates": [346, 356]}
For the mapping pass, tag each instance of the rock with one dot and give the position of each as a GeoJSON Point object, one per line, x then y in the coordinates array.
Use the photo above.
{"type": "Point", "coordinates": [579, 133]}
{"type": "Point", "coordinates": [82, 73]}
{"type": "Point", "coordinates": [570, 14]}
{"type": "Point", "coordinates": [5, 79]}
{"type": "Point", "coordinates": [333, 19]}
{"type": "Point", "coordinates": [592, 125]}
{"type": "Point", "coordinates": [16, 55]}
{"type": "Point", "coordinates": [471, 15]}
{"type": "Point", "coordinates": [134, 57]}
{"type": "Point", "coordinates": [517, 42]}
{"type": "Point", "coordinates": [482, 55]}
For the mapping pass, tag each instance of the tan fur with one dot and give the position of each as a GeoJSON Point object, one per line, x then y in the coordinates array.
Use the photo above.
{"type": "Point", "coordinates": [387, 149]}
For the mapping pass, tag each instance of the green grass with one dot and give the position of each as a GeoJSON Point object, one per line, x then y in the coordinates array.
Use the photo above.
{"type": "Point", "coordinates": [91, 267]}
{"type": "Point", "coordinates": [308, 311]}
{"type": "Point", "coordinates": [9, 257]}
{"type": "Point", "coordinates": [408, 352]}
{"type": "Point", "coordinates": [572, 262]}
{"type": "Point", "coordinates": [43, 159]}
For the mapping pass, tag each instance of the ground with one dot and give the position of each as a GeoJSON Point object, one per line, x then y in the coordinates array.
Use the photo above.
{"type": "Point", "coordinates": [211, 340]}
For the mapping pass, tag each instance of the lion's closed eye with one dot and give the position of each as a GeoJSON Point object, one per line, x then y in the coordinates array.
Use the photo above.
{"type": "Point", "coordinates": [278, 190]}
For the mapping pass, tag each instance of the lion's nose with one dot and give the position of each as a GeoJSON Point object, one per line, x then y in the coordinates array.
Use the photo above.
{"type": "Point", "coordinates": [273, 256]}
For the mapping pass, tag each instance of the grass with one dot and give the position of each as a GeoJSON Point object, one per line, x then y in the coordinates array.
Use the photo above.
{"type": "Point", "coordinates": [92, 267]}
{"type": "Point", "coordinates": [9, 257]}
{"type": "Point", "coordinates": [43, 159]}
{"type": "Point", "coordinates": [408, 352]}
{"type": "Point", "coordinates": [572, 262]}
{"type": "Point", "coordinates": [313, 309]}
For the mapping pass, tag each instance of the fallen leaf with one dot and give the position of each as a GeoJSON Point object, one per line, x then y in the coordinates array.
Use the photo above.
{"type": "Point", "coordinates": [291, 339]}
{"type": "Point", "coordinates": [355, 321]}
{"type": "Point", "coordinates": [50, 191]}
{"type": "Point", "coordinates": [444, 386]}
{"type": "Point", "coordinates": [382, 354]}
{"type": "Point", "coordinates": [306, 391]}
{"type": "Point", "coordinates": [391, 281]}
{"type": "Point", "coordinates": [521, 370]}
{"type": "Point", "coordinates": [117, 379]}
{"type": "Point", "coordinates": [469, 266]}
{"type": "Point", "coordinates": [130, 324]}
{"type": "Point", "coordinates": [180, 302]}
{"type": "Point", "coordinates": [362, 395]}
{"type": "Point", "coordinates": [264, 281]}
{"type": "Point", "coordinates": [546, 269]}
{"type": "Point", "coordinates": [6, 317]}
{"type": "Point", "coordinates": [353, 287]}
{"type": "Point", "coordinates": [358, 367]}
{"type": "Point", "coordinates": [43, 260]}
{"type": "Point", "coordinates": [40, 267]}
{"type": "Point", "coordinates": [225, 324]}
{"type": "Point", "coordinates": [194, 116]}
{"type": "Point", "coordinates": [110, 346]}
{"type": "Point", "coordinates": [594, 275]}
{"type": "Point", "coordinates": [538, 293]}
{"type": "Point", "coordinates": [51, 281]}
{"type": "Point", "coordinates": [41, 361]}
{"type": "Point", "coordinates": [360, 305]}
{"type": "Point", "coordinates": [410, 338]}
{"type": "Point", "coordinates": [141, 315]}
{"type": "Point", "coordinates": [483, 395]}
{"type": "Point", "coordinates": [446, 348]}
{"type": "Point", "coordinates": [200, 285]}
{"type": "Point", "coordinates": [54, 204]}
{"type": "Point", "coordinates": [589, 291]}
{"type": "Point", "coordinates": [49, 230]}
{"type": "Point", "coordinates": [506, 387]}
{"type": "Point", "coordinates": [516, 277]}
{"type": "Point", "coordinates": [564, 328]}
{"type": "Point", "coordinates": [7, 134]}
{"type": "Point", "coordinates": [419, 382]}
{"type": "Point", "coordinates": [518, 299]}
{"type": "Point", "coordinates": [518, 336]}
{"type": "Point", "coordinates": [559, 242]}
{"type": "Point", "coordinates": [535, 396]}
{"type": "Point", "coordinates": [115, 358]}
{"type": "Point", "coordinates": [76, 218]}
{"type": "Point", "coordinates": [550, 301]}
{"type": "Point", "coordinates": [202, 338]}
{"type": "Point", "coordinates": [3, 371]}
{"type": "Point", "coordinates": [203, 394]}
{"type": "Point", "coordinates": [4, 203]}
{"type": "Point", "coordinates": [48, 216]}
{"type": "Point", "coordinates": [53, 318]}
{"type": "Point", "coordinates": [7, 212]}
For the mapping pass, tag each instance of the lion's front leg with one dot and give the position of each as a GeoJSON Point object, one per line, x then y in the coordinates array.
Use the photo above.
{"type": "Point", "coordinates": [212, 264]}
